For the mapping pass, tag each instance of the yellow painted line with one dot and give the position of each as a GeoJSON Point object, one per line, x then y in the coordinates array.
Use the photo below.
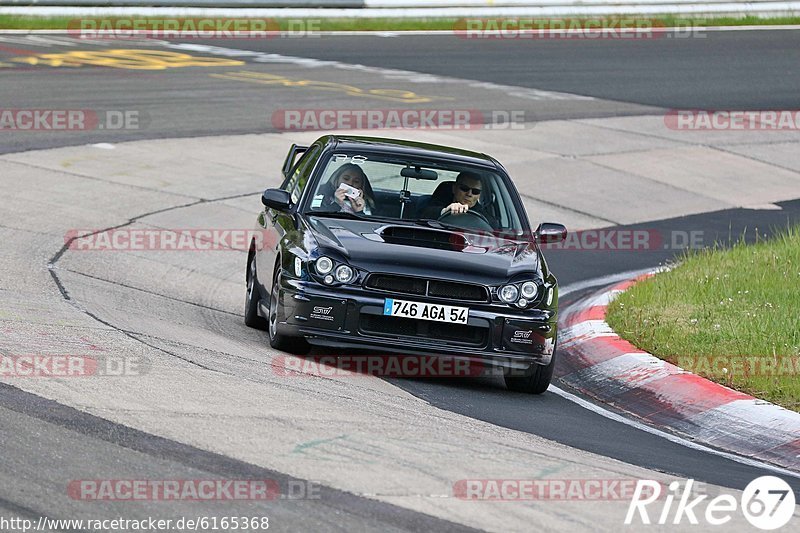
{"type": "Point", "coordinates": [126, 59]}
{"type": "Point", "coordinates": [393, 95]}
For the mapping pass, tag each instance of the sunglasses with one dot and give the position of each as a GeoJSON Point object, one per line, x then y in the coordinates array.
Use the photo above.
{"type": "Point", "coordinates": [464, 188]}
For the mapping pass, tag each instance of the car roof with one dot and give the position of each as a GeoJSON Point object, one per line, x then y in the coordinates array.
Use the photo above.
{"type": "Point", "coordinates": [404, 147]}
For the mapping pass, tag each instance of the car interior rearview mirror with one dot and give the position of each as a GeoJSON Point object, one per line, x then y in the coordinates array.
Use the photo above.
{"type": "Point", "coordinates": [419, 173]}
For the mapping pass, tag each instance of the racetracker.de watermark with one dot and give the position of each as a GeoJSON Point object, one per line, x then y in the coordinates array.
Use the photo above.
{"type": "Point", "coordinates": [391, 366]}
{"type": "Point", "coordinates": [623, 28]}
{"type": "Point", "coordinates": [412, 119]}
{"type": "Point", "coordinates": [741, 365]}
{"type": "Point", "coordinates": [506, 490]}
{"type": "Point", "coordinates": [71, 366]}
{"type": "Point", "coordinates": [192, 490]}
{"type": "Point", "coordinates": [170, 240]}
{"type": "Point", "coordinates": [17, 120]}
{"type": "Point", "coordinates": [192, 28]}
{"type": "Point", "coordinates": [216, 239]}
{"type": "Point", "coordinates": [611, 239]}
{"type": "Point", "coordinates": [628, 240]}
{"type": "Point", "coordinates": [732, 120]}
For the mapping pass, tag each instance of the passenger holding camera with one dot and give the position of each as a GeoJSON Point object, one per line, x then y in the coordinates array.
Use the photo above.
{"type": "Point", "coordinates": [349, 188]}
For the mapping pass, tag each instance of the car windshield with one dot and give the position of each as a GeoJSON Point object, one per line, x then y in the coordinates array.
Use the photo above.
{"type": "Point", "coordinates": [380, 186]}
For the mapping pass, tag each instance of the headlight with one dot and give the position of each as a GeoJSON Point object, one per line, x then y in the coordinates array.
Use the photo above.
{"type": "Point", "coordinates": [324, 265]}
{"type": "Point", "coordinates": [344, 273]}
{"type": "Point", "coordinates": [529, 290]}
{"type": "Point", "coordinates": [508, 293]}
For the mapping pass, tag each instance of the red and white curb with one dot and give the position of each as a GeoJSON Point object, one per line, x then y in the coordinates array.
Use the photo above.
{"type": "Point", "coordinates": [596, 361]}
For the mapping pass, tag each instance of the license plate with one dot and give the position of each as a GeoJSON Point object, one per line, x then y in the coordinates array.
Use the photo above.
{"type": "Point", "coordinates": [426, 311]}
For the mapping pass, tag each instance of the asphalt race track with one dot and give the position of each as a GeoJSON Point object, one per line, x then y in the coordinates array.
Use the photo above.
{"type": "Point", "coordinates": [726, 70]}
{"type": "Point", "coordinates": [380, 454]}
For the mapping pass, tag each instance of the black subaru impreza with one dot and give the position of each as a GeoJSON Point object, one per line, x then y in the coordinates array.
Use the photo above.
{"type": "Point", "coordinates": [404, 247]}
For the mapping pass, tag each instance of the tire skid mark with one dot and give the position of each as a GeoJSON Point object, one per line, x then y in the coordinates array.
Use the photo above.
{"type": "Point", "coordinates": [52, 268]}
{"type": "Point", "coordinates": [152, 293]}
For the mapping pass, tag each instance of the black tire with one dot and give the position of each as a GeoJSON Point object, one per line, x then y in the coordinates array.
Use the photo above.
{"type": "Point", "coordinates": [535, 381]}
{"type": "Point", "coordinates": [252, 297]}
{"type": "Point", "coordinates": [284, 343]}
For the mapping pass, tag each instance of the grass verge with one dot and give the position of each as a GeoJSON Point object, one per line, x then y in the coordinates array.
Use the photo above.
{"type": "Point", "coordinates": [404, 24]}
{"type": "Point", "coordinates": [730, 315]}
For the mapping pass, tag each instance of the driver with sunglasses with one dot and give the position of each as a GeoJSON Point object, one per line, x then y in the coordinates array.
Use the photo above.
{"type": "Point", "coordinates": [466, 193]}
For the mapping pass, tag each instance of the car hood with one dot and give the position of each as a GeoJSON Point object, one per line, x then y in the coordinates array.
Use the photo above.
{"type": "Point", "coordinates": [416, 250]}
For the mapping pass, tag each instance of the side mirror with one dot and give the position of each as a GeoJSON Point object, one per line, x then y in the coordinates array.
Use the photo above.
{"type": "Point", "coordinates": [548, 232]}
{"type": "Point", "coordinates": [276, 199]}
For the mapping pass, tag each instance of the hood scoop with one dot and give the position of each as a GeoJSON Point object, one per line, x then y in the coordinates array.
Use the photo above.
{"type": "Point", "coordinates": [424, 237]}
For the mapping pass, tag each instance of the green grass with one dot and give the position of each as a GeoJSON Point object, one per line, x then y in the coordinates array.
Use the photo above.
{"type": "Point", "coordinates": [731, 315]}
{"type": "Point", "coordinates": [400, 24]}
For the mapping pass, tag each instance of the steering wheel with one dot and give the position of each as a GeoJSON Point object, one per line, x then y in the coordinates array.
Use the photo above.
{"type": "Point", "coordinates": [479, 222]}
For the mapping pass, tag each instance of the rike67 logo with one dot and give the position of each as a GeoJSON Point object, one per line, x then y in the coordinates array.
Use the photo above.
{"type": "Point", "coordinates": [767, 503]}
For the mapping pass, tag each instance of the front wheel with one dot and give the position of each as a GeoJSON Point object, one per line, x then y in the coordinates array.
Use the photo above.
{"type": "Point", "coordinates": [534, 382]}
{"type": "Point", "coordinates": [284, 343]}
{"type": "Point", "coordinates": [253, 296]}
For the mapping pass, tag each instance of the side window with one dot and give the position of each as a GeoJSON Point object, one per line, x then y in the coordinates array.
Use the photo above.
{"type": "Point", "coordinates": [297, 181]}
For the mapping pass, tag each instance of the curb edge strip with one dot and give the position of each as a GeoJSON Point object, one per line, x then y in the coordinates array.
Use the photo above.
{"type": "Point", "coordinates": [602, 365]}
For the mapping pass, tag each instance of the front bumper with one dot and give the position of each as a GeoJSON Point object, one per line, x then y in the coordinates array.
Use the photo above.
{"type": "Point", "coordinates": [352, 317]}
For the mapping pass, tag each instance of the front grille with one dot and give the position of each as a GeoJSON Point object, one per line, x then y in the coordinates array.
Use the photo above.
{"type": "Point", "coordinates": [457, 291]}
{"type": "Point", "coordinates": [422, 329]}
{"type": "Point", "coordinates": [397, 284]}
{"type": "Point", "coordinates": [451, 290]}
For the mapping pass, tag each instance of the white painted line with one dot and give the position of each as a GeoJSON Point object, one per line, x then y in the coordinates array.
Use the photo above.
{"type": "Point", "coordinates": [408, 76]}
{"type": "Point", "coordinates": [672, 438]}
{"type": "Point", "coordinates": [604, 280]}
{"type": "Point", "coordinates": [732, 8]}
{"type": "Point", "coordinates": [516, 3]}
{"type": "Point", "coordinates": [402, 33]}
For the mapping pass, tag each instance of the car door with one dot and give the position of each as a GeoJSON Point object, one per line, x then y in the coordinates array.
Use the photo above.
{"type": "Point", "coordinates": [276, 225]}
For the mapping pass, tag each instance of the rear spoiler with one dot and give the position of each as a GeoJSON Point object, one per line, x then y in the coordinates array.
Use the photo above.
{"type": "Point", "coordinates": [291, 158]}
